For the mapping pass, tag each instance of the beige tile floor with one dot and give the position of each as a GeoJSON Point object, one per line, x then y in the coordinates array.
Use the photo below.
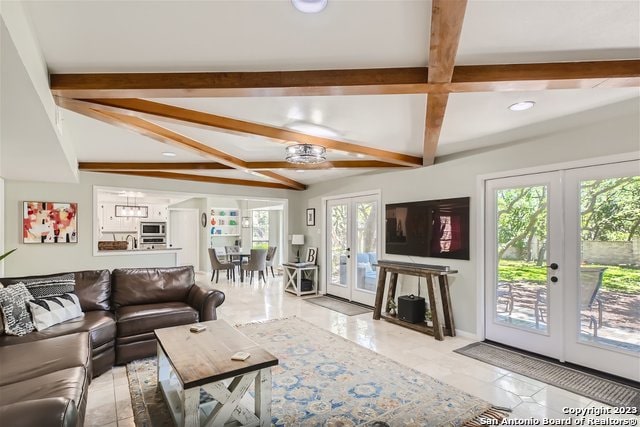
{"type": "Point", "coordinates": [109, 403]}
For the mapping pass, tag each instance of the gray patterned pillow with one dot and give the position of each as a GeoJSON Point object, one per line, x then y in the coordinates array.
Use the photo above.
{"type": "Point", "coordinates": [15, 315]}
{"type": "Point", "coordinates": [41, 287]}
{"type": "Point", "coordinates": [1, 321]}
{"type": "Point", "coordinates": [50, 311]}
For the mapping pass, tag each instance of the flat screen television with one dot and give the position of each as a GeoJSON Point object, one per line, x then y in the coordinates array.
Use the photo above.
{"type": "Point", "coordinates": [430, 228]}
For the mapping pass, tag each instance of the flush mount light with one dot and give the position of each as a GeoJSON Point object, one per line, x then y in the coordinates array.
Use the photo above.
{"type": "Point", "coordinates": [169, 154]}
{"type": "Point", "coordinates": [521, 106]}
{"type": "Point", "coordinates": [310, 6]}
{"type": "Point", "coordinates": [305, 153]}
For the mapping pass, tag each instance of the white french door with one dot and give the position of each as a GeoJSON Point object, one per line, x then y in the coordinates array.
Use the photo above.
{"type": "Point", "coordinates": [353, 230]}
{"type": "Point", "coordinates": [562, 276]}
{"type": "Point", "coordinates": [524, 263]}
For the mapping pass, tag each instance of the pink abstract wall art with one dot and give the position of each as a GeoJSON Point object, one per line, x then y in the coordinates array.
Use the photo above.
{"type": "Point", "coordinates": [50, 222]}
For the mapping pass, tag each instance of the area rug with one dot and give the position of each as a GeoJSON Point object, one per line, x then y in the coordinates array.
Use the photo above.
{"type": "Point", "coordinates": [325, 380]}
{"type": "Point", "coordinates": [334, 304]}
{"type": "Point", "coordinates": [582, 383]}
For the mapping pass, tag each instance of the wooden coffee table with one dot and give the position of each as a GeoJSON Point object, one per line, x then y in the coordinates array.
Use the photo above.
{"type": "Point", "coordinates": [189, 361]}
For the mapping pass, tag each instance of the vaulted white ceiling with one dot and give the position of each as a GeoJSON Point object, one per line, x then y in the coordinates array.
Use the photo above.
{"type": "Point", "coordinates": [165, 36]}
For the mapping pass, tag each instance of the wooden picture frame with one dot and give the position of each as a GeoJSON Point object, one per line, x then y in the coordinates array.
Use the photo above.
{"type": "Point", "coordinates": [311, 217]}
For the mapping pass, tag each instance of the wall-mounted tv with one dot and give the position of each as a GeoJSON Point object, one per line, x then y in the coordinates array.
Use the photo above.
{"type": "Point", "coordinates": [430, 228]}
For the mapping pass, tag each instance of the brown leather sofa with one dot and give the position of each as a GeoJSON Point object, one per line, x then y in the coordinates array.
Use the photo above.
{"type": "Point", "coordinates": [41, 373]}
{"type": "Point", "coordinates": [45, 383]}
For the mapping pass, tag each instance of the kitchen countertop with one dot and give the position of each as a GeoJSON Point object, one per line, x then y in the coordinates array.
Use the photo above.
{"type": "Point", "coordinates": [122, 251]}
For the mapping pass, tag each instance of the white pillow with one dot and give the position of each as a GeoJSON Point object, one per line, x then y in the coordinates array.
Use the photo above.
{"type": "Point", "coordinates": [50, 311]}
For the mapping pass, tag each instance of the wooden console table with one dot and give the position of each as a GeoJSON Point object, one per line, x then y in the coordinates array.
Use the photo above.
{"type": "Point", "coordinates": [439, 298]}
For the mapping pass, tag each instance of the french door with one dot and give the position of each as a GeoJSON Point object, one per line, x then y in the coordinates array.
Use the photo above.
{"type": "Point", "coordinates": [562, 256]}
{"type": "Point", "coordinates": [352, 248]}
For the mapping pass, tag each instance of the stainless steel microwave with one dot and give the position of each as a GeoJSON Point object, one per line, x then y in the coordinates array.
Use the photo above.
{"type": "Point", "coordinates": [151, 229]}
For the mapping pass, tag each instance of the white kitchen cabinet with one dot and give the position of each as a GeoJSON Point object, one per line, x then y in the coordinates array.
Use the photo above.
{"type": "Point", "coordinates": [159, 213]}
{"type": "Point", "coordinates": [110, 223]}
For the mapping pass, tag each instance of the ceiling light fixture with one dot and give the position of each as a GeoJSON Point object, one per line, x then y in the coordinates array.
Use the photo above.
{"type": "Point", "coordinates": [169, 154]}
{"type": "Point", "coordinates": [305, 154]}
{"type": "Point", "coordinates": [310, 6]}
{"type": "Point", "coordinates": [521, 106]}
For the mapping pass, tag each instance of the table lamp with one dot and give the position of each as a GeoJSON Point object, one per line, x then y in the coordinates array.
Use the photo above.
{"type": "Point", "coordinates": [297, 240]}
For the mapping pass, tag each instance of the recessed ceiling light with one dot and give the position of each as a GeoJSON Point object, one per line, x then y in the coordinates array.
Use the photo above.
{"type": "Point", "coordinates": [169, 154]}
{"type": "Point", "coordinates": [521, 106]}
{"type": "Point", "coordinates": [310, 6]}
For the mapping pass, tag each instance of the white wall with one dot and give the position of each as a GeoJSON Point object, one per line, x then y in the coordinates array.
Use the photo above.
{"type": "Point", "coordinates": [456, 176]}
{"type": "Point", "coordinates": [1, 224]}
{"type": "Point", "coordinates": [40, 259]}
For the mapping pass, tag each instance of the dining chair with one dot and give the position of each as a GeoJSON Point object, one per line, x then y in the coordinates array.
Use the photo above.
{"type": "Point", "coordinates": [257, 262]}
{"type": "Point", "coordinates": [230, 250]}
{"type": "Point", "coordinates": [218, 265]}
{"type": "Point", "coordinates": [271, 253]}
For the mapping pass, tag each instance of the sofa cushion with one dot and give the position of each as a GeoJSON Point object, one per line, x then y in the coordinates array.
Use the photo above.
{"type": "Point", "coordinates": [33, 359]}
{"type": "Point", "coordinates": [93, 287]}
{"type": "Point", "coordinates": [100, 325]}
{"type": "Point", "coordinates": [140, 319]}
{"type": "Point", "coordinates": [135, 286]}
{"type": "Point", "coordinates": [49, 311]}
{"type": "Point", "coordinates": [40, 412]}
{"type": "Point", "coordinates": [15, 315]}
{"type": "Point", "coordinates": [70, 383]}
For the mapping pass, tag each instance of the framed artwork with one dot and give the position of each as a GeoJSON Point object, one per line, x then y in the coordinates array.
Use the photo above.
{"type": "Point", "coordinates": [311, 217]}
{"type": "Point", "coordinates": [49, 222]}
{"type": "Point", "coordinates": [312, 255]}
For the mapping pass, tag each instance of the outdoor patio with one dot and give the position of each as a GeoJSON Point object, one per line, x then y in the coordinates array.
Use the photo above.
{"type": "Point", "coordinates": [620, 325]}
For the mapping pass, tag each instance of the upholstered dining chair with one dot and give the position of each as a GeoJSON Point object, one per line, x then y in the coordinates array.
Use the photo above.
{"type": "Point", "coordinates": [257, 262]}
{"type": "Point", "coordinates": [271, 253]}
{"type": "Point", "coordinates": [230, 250]}
{"type": "Point", "coordinates": [217, 265]}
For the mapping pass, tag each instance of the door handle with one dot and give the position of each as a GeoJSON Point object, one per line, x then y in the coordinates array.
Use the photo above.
{"type": "Point", "coordinates": [348, 249]}
{"type": "Point", "coordinates": [554, 279]}
{"type": "Point", "coordinates": [553, 266]}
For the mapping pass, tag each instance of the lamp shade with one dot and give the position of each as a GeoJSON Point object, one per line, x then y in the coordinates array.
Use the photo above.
{"type": "Point", "coordinates": [297, 239]}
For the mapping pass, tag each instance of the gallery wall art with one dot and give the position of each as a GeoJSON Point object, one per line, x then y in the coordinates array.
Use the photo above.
{"type": "Point", "coordinates": [49, 222]}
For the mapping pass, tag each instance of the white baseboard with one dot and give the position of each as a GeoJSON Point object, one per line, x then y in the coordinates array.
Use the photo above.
{"type": "Point", "coordinates": [466, 334]}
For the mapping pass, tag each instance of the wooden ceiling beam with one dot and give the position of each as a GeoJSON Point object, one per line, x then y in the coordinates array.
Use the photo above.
{"type": "Point", "coordinates": [256, 166]}
{"type": "Point", "coordinates": [142, 108]}
{"type": "Point", "coordinates": [142, 166]}
{"type": "Point", "coordinates": [200, 178]}
{"type": "Point", "coordinates": [446, 26]}
{"type": "Point", "coordinates": [167, 136]}
{"type": "Point", "coordinates": [378, 81]}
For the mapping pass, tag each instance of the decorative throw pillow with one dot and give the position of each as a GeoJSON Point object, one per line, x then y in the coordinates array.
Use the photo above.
{"type": "Point", "coordinates": [13, 303]}
{"type": "Point", "coordinates": [50, 311]}
{"type": "Point", "coordinates": [41, 287]}
{"type": "Point", "coordinates": [1, 321]}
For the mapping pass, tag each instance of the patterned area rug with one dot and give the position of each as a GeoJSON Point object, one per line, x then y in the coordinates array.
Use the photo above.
{"type": "Point", "coordinates": [343, 307]}
{"type": "Point", "coordinates": [326, 380]}
{"type": "Point", "coordinates": [582, 383]}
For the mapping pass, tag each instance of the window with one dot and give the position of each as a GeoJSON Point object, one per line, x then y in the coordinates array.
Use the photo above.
{"type": "Point", "coordinates": [260, 230]}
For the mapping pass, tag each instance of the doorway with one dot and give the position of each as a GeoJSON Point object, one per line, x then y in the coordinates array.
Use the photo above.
{"type": "Point", "coordinates": [184, 233]}
{"type": "Point", "coordinates": [562, 275]}
{"type": "Point", "coordinates": [353, 230]}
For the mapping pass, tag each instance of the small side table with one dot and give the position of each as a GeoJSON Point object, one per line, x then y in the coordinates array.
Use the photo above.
{"type": "Point", "coordinates": [293, 275]}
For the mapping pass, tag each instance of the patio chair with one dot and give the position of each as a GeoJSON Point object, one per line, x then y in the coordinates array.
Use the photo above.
{"type": "Point", "coordinates": [271, 253]}
{"type": "Point", "coordinates": [257, 262]}
{"type": "Point", "coordinates": [504, 292]}
{"type": "Point", "coordinates": [218, 265]}
{"type": "Point", "coordinates": [590, 283]}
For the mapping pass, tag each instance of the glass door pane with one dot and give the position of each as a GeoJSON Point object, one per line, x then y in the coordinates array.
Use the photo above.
{"type": "Point", "coordinates": [338, 248]}
{"type": "Point", "coordinates": [367, 245]}
{"type": "Point", "coordinates": [521, 292]}
{"type": "Point", "coordinates": [609, 277]}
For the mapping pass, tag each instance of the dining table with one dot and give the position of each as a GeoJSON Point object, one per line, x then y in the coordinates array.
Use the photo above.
{"type": "Point", "coordinates": [238, 256]}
